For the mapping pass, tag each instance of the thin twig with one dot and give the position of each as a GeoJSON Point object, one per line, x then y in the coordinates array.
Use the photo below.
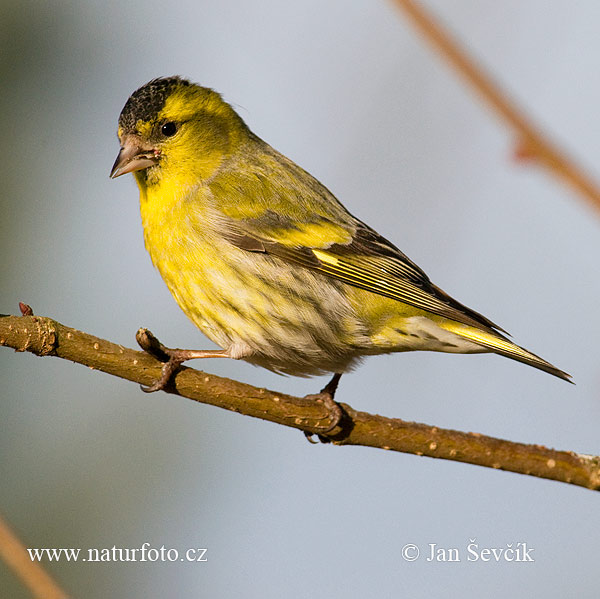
{"type": "Point", "coordinates": [531, 143]}
{"type": "Point", "coordinates": [31, 573]}
{"type": "Point", "coordinates": [43, 336]}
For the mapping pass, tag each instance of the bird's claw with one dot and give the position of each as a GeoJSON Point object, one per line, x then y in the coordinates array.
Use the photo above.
{"type": "Point", "coordinates": [334, 409]}
{"type": "Point", "coordinates": [335, 414]}
{"type": "Point", "coordinates": [151, 345]}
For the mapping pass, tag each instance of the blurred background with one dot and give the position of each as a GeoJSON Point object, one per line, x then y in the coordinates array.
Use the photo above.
{"type": "Point", "coordinates": [351, 93]}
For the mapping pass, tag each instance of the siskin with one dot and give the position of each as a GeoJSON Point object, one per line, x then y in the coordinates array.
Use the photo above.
{"type": "Point", "coordinates": [265, 260]}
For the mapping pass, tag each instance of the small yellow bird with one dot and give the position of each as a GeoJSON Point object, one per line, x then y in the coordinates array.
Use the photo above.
{"type": "Point", "coordinates": [265, 260]}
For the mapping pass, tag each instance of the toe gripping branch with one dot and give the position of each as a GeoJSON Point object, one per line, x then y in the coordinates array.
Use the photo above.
{"type": "Point", "coordinates": [171, 358]}
{"type": "Point", "coordinates": [336, 414]}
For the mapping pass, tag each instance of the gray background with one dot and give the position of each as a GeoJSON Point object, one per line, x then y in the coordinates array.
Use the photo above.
{"type": "Point", "coordinates": [348, 91]}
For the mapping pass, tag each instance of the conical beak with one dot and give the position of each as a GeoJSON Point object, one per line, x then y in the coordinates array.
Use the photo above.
{"type": "Point", "coordinates": [132, 157]}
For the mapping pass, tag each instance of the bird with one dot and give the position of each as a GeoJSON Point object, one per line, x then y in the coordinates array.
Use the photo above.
{"type": "Point", "coordinates": [266, 261]}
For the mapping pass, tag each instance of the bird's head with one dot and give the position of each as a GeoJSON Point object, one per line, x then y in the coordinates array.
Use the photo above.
{"type": "Point", "coordinates": [173, 129]}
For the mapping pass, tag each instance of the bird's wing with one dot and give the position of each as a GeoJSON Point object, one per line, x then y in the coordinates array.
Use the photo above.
{"type": "Point", "coordinates": [293, 216]}
{"type": "Point", "coordinates": [360, 257]}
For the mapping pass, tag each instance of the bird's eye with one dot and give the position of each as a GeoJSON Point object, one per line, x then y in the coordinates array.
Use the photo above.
{"type": "Point", "coordinates": [169, 129]}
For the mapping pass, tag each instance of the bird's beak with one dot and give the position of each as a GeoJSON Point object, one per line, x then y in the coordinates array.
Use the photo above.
{"type": "Point", "coordinates": [133, 156]}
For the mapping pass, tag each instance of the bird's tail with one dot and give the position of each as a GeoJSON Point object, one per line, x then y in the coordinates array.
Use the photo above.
{"type": "Point", "coordinates": [499, 344]}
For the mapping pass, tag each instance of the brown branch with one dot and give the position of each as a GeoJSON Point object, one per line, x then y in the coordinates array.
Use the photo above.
{"type": "Point", "coordinates": [46, 337]}
{"type": "Point", "coordinates": [33, 576]}
{"type": "Point", "coordinates": [530, 141]}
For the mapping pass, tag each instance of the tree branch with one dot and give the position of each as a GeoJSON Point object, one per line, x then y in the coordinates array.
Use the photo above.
{"type": "Point", "coordinates": [531, 144]}
{"type": "Point", "coordinates": [31, 573]}
{"type": "Point", "coordinates": [46, 337]}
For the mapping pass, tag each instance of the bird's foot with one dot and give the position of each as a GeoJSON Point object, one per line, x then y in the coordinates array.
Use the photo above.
{"type": "Point", "coordinates": [172, 358]}
{"type": "Point", "coordinates": [325, 396]}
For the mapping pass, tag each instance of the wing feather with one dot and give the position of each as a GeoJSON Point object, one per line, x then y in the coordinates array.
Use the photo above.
{"type": "Point", "coordinates": [369, 262]}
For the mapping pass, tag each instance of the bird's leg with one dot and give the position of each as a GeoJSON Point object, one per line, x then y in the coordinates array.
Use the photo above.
{"type": "Point", "coordinates": [325, 396]}
{"type": "Point", "coordinates": [172, 358]}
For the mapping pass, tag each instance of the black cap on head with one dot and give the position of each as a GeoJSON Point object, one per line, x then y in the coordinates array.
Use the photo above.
{"type": "Point", "coordinates": [146, 102]}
